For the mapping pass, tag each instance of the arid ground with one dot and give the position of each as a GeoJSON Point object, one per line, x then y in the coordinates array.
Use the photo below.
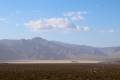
{"type": "Point", "coordinates": [61, 71]}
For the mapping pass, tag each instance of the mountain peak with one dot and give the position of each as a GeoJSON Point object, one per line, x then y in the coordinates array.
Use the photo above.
{"type": "Point", "coordinates": [38, 39]}
{"type": "Point", "coordinates": [40, 48]}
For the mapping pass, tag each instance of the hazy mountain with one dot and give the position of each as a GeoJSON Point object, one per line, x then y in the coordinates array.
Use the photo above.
{"type": "Point", "coordinates": [38, 48]}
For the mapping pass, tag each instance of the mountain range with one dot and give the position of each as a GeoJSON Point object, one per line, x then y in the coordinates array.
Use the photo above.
{"type": "Point", "coordinates": [38, 48]}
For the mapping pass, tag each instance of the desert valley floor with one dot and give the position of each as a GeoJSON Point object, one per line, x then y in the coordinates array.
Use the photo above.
{"type": "Point", "coordinates": [61, 71]}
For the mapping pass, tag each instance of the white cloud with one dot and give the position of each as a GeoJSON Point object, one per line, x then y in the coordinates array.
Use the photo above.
{"type": "Point", "coordinates": [109, 30]}
{"type": "Point", "coordinates": [3, 20]}
{"type": "Point", "coordinates": [68, 22]}
{"type": "Point", "coordinates": [86, 29]}
{"type": "Point", "coordinates": [75, 15]}
{"type": "Point", "coordinates": [50, 23]}
{"type": "Point", "coordinates": [18, 12]}
{"type": "Point", "coordinates": [83, 28]}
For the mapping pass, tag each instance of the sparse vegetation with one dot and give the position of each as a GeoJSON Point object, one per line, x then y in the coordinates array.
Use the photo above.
{"type": "Point", "coordinates": [60, 71]}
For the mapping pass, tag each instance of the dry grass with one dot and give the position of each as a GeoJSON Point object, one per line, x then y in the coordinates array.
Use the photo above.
{"type": "Point", "coordinates": [59, 71]}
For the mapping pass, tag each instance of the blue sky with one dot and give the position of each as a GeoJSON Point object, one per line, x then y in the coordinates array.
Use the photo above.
{"type": "Point", "coordinates": [84, 22]}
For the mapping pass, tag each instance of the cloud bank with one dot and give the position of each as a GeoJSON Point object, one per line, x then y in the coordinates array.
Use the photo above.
{"type": "Point", "coordinates": [3, 20]}
{"type": "Point", "coordinates": [67, 22]}
{"type": "Point", "coordinates": [109, 30]}
{"type": "Point", "coordinates": [75, 15]}
{"type": "Point", "coordinates": [51, 23]}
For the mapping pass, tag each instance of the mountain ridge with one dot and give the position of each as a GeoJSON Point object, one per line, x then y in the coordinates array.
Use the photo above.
{"type": "Point", "coordinates": [38, 48]}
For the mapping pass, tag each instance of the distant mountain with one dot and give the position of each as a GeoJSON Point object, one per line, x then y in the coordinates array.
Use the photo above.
{"type": "Point", "coordinates": [39, 48]}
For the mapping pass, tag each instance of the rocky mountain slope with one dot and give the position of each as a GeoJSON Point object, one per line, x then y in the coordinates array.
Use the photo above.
{"type": "Point", "coordinates": [39, 48]}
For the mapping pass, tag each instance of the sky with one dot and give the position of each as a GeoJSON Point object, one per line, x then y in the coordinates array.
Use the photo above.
{"type": "Point", "coordinates": [83, 22]}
